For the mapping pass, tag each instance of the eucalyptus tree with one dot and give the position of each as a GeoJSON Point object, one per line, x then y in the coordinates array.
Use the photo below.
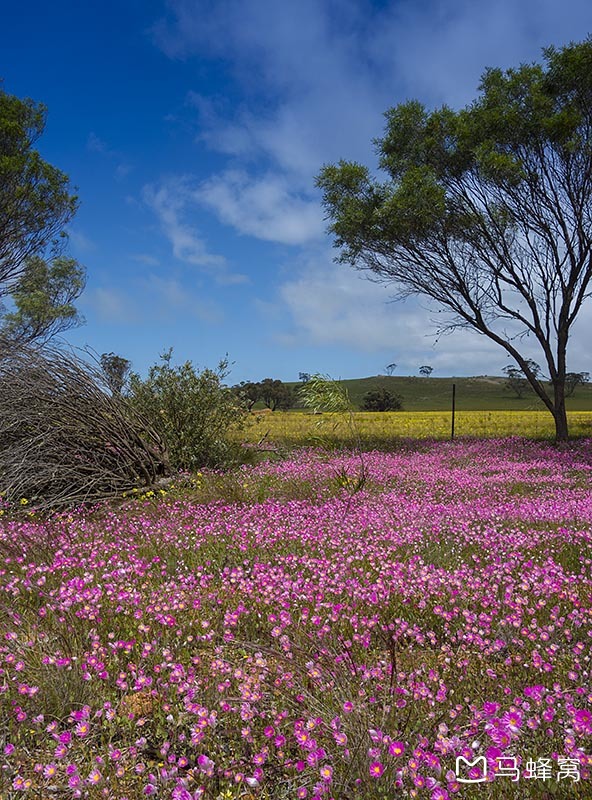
{"type": "Point", "coordinates": [36, 202]}
{"type": "Point", "coordinates": [485, 210]}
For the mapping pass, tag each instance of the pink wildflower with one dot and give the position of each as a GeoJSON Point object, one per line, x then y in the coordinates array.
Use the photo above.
{"type": "Point", "coordinates": [376, 769]}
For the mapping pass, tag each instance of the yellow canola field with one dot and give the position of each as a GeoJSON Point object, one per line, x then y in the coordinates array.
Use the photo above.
{"type": "Point", "coordinates": [294, 427]}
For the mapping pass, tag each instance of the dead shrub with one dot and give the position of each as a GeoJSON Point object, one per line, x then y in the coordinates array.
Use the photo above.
{"type": "Point", "coordinates": [64, 438]}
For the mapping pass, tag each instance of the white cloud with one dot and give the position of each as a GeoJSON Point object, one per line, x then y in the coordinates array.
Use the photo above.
{"type": "Point", "coordinates": [97, 145]}
{"type": "Point", "coordinates": [152, 298]}
{"type": "Point", "coordinates": [112, 305]}
{"type": "Point", "coordinates": [579, 359]}
{"type": "Point", "coordinates": [215, 128]}
{"type": "Point", "coordinates": [322, 94]}
{"type": "Point", "coordinates": [439, 50]}
{"type": "Point", "coordinates": [147, 259]}
{"type": "Point", "coordinates": [319, 99]}
{"type": "Point", "coordinates": [262, 207]}
{"type": "Point", "coordinates": [169, 298]}
{"type": "Point", "coordinates": [330, 304]}
{"type": "Point", "coordinates": [317, 75]}
{"type": "Point", "coordinates": [169, 201]}
{"type": "Point", "coordinates": [80, 241]}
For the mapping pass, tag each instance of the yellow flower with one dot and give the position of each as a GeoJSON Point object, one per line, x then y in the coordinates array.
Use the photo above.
{"type": "Point", "coordinates": [23, 501]}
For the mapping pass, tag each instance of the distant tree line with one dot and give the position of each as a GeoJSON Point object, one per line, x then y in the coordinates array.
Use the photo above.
{"type": "Point", "coordinates": [517, 382]}
{"type": "Point", "coordinates": [274, 394]}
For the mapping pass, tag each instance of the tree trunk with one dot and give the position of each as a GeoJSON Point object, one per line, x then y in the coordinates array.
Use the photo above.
{"type": "Point", "coordinates": [560, 412]}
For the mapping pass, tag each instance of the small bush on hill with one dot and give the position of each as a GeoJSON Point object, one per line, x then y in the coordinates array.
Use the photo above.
{"type": "Point", "coordinates": [381, 400]}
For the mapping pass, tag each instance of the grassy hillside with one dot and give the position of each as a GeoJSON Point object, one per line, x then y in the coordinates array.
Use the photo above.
{"type": "Point", "coordinates": [483, 393]}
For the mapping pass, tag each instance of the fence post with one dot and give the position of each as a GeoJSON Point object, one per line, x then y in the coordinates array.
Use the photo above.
{"type": "Point", "coordinates": [453, 409]}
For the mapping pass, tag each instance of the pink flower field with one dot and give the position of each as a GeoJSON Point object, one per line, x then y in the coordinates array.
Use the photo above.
{"type": "Point", "coordinates": [407, 624]}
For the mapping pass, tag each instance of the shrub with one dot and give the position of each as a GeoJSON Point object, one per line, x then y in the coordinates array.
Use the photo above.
{"type": "Point", "coordinates": [64, 440]}
{"type": "Point", "coordinates": [381, 400]}
{"type": "Point", "coordinates": [192, 410]}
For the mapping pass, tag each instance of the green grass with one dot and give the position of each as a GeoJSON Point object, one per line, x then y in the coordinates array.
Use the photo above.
{"type": "Point", "coordinates": [482, 393]}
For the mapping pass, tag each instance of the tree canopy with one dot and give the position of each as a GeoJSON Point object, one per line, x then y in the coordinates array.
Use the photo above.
{"type": "Point", "coordinates": [43, 300]}
{"type": "Point", "coordinates": [485, 210]}
{"type": "Point", "coordinates": [36, 202]}
{"type": "Point", "coordinates": [516, 380]}
{"type": "Point", "coordinates": [275, 394]}
{"type": "Point", "coordinates": [116, 370]}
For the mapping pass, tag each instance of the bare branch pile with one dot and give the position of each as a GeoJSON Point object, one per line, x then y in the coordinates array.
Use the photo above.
{"type": "Point", "coordinates": [64, 438]}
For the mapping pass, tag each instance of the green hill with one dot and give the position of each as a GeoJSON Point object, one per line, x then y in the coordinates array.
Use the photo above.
{"type": "Point", "coordinates": [482, 393]}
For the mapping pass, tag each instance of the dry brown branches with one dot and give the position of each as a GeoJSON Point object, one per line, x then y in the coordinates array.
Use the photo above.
{"type": "Point", "coordinates": [64, 439]}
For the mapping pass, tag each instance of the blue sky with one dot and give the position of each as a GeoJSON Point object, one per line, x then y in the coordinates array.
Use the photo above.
{"type": "Point", "coordinates": [193, 130]}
